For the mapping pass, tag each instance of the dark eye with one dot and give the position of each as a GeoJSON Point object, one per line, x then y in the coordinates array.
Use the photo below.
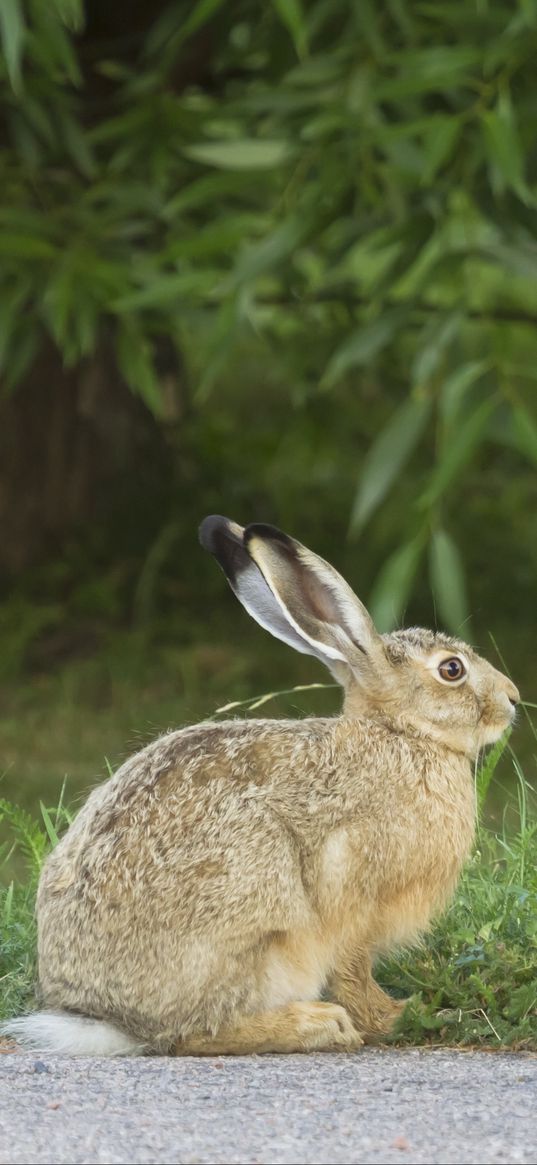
{"type": "Point", "coordinates": [452, 669]}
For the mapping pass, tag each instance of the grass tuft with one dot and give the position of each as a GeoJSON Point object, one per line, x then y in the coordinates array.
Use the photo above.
{"type": "Point", "coordinates": [31, 840]}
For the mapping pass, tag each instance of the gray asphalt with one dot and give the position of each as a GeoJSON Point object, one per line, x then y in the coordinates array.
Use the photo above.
{"type": "Point", "coordinates": [374, 1106]}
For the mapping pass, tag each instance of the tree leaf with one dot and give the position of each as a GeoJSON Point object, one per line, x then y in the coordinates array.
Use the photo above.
{"type": "Point", "coordinates": [292, 16]}
{"type": "Point", "coordinates": [448, 581]}
{"type": "Point", "coordinates": [458, 452]}
{"type": "Point", "coordinates": [161, 290]}
{"type": "Point", "coordinates": [135, 360]}
{"type": "Point", "coordinates": [224, 337]}
{"type": "Point", "coordinates": [221, 236]}
{"type": "Point", "coordinates": [57, 302]}
{"type": "Point", "coordinates": [241, 153]}
{"type": "Point", "coordinates": [164, 34]}
{"type": "Point", "coordinates": [521, 260]}
{"type": "Point", "coordinates": [504, 150]}
{"type": "Point", "coordinates": [525, 432]}
{"type": "Point", "coordinates": [454, 389]}
{"type": "Point", "coordinates": [18, 246]}
{"type": "Point", "coordinates": [439, 143]}
{"type": "Point", "coordinates": [12, 34]}
{"type": "Point", "coordinates": [265, 255]}
{"type": "Point", "coordinates": [437, 336]}
{"type": "Point", "coordinates": [436, 69]}
{"type": "Point", "coordinates": [71, 12]}
{"type": "Point", "coordinates": [393, 586]}
{"type": "Point", "coordinates": [58, 47]}
{"type": "Point", "coordinates": [209, 188]}
{"type": "Point", "coordinates": [77, 145]}
{"type": "Point", "coordinates": [387, 456]}
{"type": "Point", "coordinates": [363, 345]}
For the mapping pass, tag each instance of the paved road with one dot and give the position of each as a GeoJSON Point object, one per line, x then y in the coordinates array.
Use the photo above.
{"type": "Point", "coordinates": [376, 1106]}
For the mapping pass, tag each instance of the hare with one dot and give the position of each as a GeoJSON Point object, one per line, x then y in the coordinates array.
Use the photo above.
{"type": "Point", "coordinates": [228, 889]}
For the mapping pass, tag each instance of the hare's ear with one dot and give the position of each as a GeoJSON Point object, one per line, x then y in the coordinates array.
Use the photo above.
{"type": "Point", "coordinates": [295, 595]}
{"type": "Point", "coordinates": [225, 540]}
{"type": "Point", "coordinates": [315, 599]}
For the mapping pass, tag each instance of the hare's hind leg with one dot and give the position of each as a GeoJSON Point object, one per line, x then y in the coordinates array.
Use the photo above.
{"type": "Point", "coordinates": [298, 1027]}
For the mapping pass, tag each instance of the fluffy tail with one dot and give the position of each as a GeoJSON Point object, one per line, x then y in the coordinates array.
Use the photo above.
{"type": "Point", "coordinates": [70, 1035]}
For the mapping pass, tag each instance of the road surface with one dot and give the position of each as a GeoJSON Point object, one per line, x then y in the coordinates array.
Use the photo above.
{"type": "Point", "coordinates": [374, 1106]}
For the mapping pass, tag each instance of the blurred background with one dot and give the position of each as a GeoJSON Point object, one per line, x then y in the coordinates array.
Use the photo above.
{"type": "Point", "coordinates": [274, 260]}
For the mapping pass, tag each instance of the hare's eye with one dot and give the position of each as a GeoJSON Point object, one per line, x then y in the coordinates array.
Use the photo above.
{"type": "Point", "coordinates": [452, 669]}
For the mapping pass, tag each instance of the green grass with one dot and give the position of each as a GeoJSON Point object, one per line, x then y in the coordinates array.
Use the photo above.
{"type": "Point", "coordinates": [473, 981]}
{"type": "Point", "coordinates": [31, 840]}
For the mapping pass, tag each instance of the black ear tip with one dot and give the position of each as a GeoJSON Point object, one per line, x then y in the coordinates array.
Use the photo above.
{"type": "Point", "coordinates": [209, 530]}
{"type": "Point", "coordinates": [216, 532]}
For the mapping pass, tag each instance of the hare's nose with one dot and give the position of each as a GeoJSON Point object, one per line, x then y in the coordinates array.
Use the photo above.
{"type": "Point", "coordinates": [513, 695]}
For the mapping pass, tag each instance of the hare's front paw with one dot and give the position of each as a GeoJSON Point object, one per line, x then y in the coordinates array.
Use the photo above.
{"type": "Point", "coordinates": [377, 1024]}
{"type": "Point", "coordinates": [325, 1027]}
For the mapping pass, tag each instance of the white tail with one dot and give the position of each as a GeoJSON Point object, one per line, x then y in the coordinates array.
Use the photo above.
{"type": "Point", "coordinates": [70, 1035]}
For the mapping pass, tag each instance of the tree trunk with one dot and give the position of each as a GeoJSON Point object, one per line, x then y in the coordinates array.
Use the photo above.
{"type": "Point", "coordinates": [76, 447]}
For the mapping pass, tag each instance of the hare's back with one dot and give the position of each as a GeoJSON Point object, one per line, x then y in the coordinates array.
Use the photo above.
{"type": "Point", "coordinates": [193, 807]}
{"type": "Point", "coordinates": [183, 770]}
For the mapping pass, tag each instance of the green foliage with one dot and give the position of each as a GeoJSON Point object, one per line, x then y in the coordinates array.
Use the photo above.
{"type": "Point", "coordinates": [345, 191]}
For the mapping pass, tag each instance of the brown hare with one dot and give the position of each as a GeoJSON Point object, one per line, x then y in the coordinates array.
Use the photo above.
{"type": "Point", "coordinates": [228, 889]}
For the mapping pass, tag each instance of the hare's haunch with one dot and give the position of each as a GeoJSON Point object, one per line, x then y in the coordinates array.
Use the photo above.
{"type": "Point", "coordinates": [229, 888]}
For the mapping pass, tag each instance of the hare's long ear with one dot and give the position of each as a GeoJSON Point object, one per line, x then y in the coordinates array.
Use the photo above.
{"type": "Point", "coordinates": [225, 540]}
{"type": "Point", "coordinates": [315, 599]}
{"type": "Point", "coordinates": [295, 594]}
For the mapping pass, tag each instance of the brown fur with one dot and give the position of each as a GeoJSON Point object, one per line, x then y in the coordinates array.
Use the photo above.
{"type": "Point", "coordinates": [230, 874]}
